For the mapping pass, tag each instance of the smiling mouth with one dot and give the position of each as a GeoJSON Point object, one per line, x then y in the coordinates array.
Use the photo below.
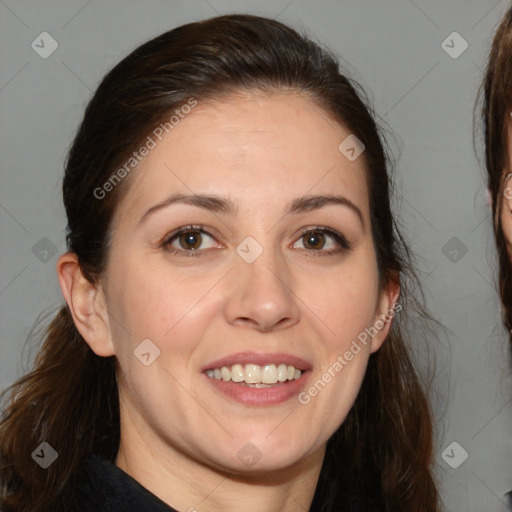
{"type": "Point", "coordinates": [256, 376]}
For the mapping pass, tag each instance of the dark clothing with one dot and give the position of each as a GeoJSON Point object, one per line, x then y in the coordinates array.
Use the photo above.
{"type": "Point", "coordinates": [101, 486]}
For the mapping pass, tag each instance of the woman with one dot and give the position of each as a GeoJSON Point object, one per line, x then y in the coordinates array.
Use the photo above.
{"type": "Point", "coordinates": [496, 117]}
{"type": "Point", "coordinates": [497, 123]}
{"type": "Point", "coordinates": [229, 335]}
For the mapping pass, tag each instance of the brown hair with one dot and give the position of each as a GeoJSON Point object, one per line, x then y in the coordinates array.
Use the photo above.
{"type": "Point", "coordinates": [497, 103]}
{"type": "Point", "coordinates": [384, 448]}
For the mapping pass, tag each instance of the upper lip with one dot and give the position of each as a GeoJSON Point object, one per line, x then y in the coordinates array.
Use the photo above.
{"type": "Point", "coordinates": [260, 359]}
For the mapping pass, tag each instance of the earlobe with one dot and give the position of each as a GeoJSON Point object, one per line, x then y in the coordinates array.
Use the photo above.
{"type": "Point", "coordinates": [87, 304]}
{"type": "Point", "coordinates": [388, 306]}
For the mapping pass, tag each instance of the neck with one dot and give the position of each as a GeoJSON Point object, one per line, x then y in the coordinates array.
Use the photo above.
{"type": "Point", "coordinates": [187, 484]}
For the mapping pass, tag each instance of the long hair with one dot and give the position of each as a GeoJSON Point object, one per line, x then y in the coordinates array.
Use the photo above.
{"type": "Point", "coordinates": [384, 448]}
{"type": "Point", "coordinates": [496, 103]}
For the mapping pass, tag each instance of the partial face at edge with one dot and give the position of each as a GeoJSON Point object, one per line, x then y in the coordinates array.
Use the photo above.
{"type": "Point", "coordinates": [309, 294]}
{"type": "Point", "coordinates": [506, 204]}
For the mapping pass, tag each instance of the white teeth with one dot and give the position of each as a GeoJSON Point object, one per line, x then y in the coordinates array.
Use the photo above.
{"type": "Point", "coordinates": [254, 375]}
{"type": "Point", "coordinates": [282, 373]}
{"type": "Point", "coordinates": [269, 374]}
{"type": "Point", "coordinates": [237, 373]}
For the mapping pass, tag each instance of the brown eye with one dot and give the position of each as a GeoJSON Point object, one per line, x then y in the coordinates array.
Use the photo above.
{"type": "Point", "coordinates": [190, 240]}
{"type": "Point", "coordinates": [324, 242]}
{"type": "Point", "coordinates": [314, 240]}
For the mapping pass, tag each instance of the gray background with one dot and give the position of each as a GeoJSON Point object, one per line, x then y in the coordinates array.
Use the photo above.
{"type": "Point", "coordinates": [425, 96]}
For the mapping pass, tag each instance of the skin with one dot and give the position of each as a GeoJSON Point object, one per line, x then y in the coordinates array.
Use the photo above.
{"type": "Point", "coordinates": [180, 436]}
{"type": "Point", "coordinates": [506, 205]}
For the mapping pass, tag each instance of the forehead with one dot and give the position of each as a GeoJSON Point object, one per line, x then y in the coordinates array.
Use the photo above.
{"type": "Point", "coordinates": [253, 145]}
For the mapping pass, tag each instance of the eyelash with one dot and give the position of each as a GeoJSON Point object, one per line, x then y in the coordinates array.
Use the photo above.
{"type": "Point", "coordinates": [338, 237]}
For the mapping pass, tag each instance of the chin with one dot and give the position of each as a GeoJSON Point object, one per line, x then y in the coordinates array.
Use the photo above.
{"type": "Point", "coordinates": [255, 457]}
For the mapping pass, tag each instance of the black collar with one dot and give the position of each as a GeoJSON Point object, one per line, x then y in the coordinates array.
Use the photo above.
{"type": "Point", "coordinates": [102, 486]}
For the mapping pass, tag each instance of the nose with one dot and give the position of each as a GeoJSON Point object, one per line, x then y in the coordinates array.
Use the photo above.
{"type": "Point", "coordinates": [261, 294]}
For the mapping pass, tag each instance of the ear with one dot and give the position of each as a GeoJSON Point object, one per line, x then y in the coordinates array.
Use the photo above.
{"type": "Point", "coordinates": [386, 308]}
{"type": "Point", "coordinates": [506, 209]}
{"type": "Point", "coordinates": [504, 203]}
{"type": "Point", "coordinates": [87, 304]}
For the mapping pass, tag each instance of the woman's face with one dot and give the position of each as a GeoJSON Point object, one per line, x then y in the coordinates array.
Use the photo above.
{"type": "Point", "coordinates": [506, 205]}
{"type": "Point", "coordinates": [256, 284]}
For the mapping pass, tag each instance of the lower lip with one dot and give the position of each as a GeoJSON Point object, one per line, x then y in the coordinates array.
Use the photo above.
{"type": "Point", "coordinates": [260, 396]}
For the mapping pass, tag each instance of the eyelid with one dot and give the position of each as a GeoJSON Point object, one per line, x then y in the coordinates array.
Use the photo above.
{"type": "Point", "coordinates": [343, 244]}
{"type": "Point", "coordinates": [173, 235]}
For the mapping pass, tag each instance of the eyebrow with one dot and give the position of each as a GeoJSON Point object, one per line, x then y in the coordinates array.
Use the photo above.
{"type": "Point", "coordinates": [223, 205]}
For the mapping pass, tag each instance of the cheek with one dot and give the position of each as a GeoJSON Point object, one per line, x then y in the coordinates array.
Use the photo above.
{"type": "Point", "coordinates": [173, 307]}
{"type": "Point", "coordinates": [347, 301]}
{"type": "Point", "coordinates": [157, 304]}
